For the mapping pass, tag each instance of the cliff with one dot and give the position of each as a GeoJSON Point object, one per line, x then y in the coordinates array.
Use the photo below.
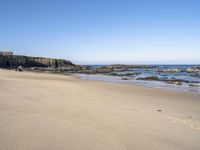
{"type": "Point", "coordinates": [13, 61]}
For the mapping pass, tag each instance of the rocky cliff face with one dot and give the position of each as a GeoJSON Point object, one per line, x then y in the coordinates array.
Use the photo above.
{"type": "Point", "coordinates": [13, 61]}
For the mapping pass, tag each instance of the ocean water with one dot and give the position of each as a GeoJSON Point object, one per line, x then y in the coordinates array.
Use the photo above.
{"type": "Point", "coordinates": [193, 84]}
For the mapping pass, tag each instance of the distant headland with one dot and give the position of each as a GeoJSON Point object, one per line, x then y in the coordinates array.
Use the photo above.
{"type": "Point", "coordinates": [10, 61]}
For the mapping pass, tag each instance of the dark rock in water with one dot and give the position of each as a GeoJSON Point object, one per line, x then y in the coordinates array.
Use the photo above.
{"type": "Point", "coordinates": [123, 74]}
{"type": "Point", "coordinates": [120, 70]}
{"type": "Point", "coordinates": [149, 78]}
{"type": "Point", "coordinates": [125, 78]}
{"type": "Point", "coordinates": [195, 75]}
{"type": "Point", "coordinates": [174, 82]}
{"type": "Point", "coordinates": [179, 81]}
{"type": "Point", "coordinates": [170, 81]}
{"type": "Point", "coordinates": [193, 85]}
{"type": "Point", "coordinates": [113, 74]}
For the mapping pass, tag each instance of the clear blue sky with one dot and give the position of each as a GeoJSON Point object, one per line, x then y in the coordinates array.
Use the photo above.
{"type": "Point", "coordinates": [103, 31]}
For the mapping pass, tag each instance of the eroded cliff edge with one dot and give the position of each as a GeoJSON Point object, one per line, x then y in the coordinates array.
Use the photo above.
{"type": "Point", "coordinates": [13, 61]}
{"type": "Point", "coordinates": [36, 63]}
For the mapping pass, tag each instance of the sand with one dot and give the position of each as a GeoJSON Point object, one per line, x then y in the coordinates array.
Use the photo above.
{"type": "Point", "coordinates": [56, 112]}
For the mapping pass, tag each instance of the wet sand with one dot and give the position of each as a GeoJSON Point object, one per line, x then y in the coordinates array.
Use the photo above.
{"type": "Point", "coordinates": [56, 112]}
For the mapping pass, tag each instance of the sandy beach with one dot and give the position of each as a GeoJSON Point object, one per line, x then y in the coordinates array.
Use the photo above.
{"type": "Point", "coordinates": [56, 112]}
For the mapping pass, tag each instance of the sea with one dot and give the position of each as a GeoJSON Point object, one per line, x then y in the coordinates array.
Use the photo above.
{"type": "Point", "coordinates": [192, 84]}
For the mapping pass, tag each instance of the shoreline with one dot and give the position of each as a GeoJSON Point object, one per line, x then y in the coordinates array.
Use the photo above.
{"type": "Point", "coordinates": [74, 75]}
{"type": "Point", "coordinates": [50, 111]}
{"type": "Point", "coordinates": [147, 84]}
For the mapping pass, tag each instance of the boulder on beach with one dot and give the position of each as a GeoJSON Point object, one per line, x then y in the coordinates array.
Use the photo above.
{"type": "Point", "coordinates": [19, 68]}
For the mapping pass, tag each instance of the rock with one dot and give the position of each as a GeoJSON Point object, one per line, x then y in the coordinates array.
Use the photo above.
{"type": "Point", "coordinates": [113, 74]}
{"type": "Point", "coordinates": [102, 70]}
{"type": "Point", "coordinates": [13, 61]}
{"type": "Point", "coordinates": [123, 74]}
{"type": "Point", "coordinates": [19, 68]}
{"type": "Point", "coordinates": [38, 64]}
{"type": "Point", "coordinates": [125, 67]}
{"type": "Point", "coordinates": [195, 75]}
{"type": "Point", "coordinates": [174, 82]}
{"type": "Point", "coordinates": [170, 81]}
{"type": "Point", "coordinates": [125, 78]}
{"type": "Point", "coordinates": [179, 81]}
{"type": "Point", "coordinates": [193, 69]}
{"type": "Point", "coordinates": [193, 85]}
{"type": "Point", "coordinates": [171, 70]}
{"type": "Point", "coordinates": [111, 70]}
{"type": "Point", "coordinates": [149, 78]}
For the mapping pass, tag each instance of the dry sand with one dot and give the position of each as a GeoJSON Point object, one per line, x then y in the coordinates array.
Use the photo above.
{"type": "Point", "coordinates": [55, 112]}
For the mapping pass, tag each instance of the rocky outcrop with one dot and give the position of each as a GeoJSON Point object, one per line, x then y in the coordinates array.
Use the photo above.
{"type": "Point", "coordinates": [170, 81]}
{"type": "Point", "coordinates": [13, 61]}
{"type": "Point", "coordinates": [151, 78]}
{"type": "Point", "coordinates": [195, 75]}
{"type": "Point", "coordinates": [191, 69]}
{"type": "Point", "coordinates": [60, 70]}
{"type": "Point", "coordinates": [123, 74]}
{"type": "Point", "coordinates": [170, 70]}
{"type": "Point", "coordinates": [112, 70]}
{"type": "Point", "coordinates": [121, 66]}
{"type": "Point", "coordinates": [194, 69]}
